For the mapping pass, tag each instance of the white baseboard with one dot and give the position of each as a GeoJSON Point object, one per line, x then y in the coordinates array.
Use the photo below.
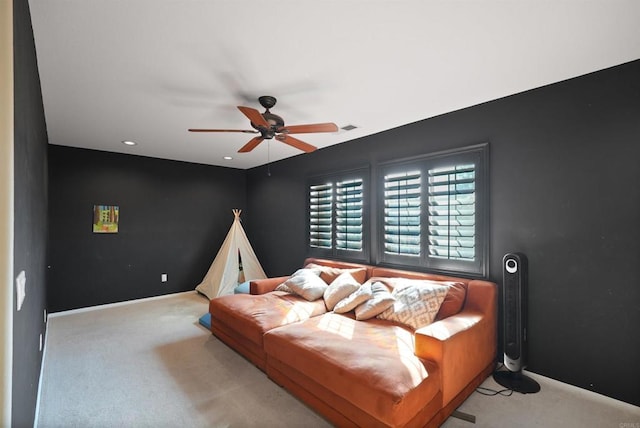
{"type": "Point", "coordinates": [44, 355]}
{"type": "Point", "coordinates": [578, 391]}
{"type": "Point", "coordinates": [111, 305]}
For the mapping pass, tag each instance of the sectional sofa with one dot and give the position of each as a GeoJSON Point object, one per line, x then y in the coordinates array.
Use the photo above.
{"type": "Point", "coordinates": [367, 373]}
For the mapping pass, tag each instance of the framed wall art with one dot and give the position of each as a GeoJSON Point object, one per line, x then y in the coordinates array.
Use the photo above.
{"type": "Point", "coordinates": [105, 218]}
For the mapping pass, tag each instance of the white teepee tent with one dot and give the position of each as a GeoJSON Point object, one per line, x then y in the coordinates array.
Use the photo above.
{"type": "Point", "coordinates": [222, 276]}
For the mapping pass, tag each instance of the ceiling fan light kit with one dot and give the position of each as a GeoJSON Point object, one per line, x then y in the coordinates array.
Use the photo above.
{"type": "Point", "coordinates": [270, 126]}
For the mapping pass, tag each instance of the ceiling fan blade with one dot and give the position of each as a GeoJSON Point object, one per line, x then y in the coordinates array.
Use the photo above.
{"type": "Point", "coordinates": [306, 129]}
{"type": "Point", "coordinates": [254, 116]}
{"type": "Point", "coordinates": [294, 142]}
{"type": "Point", "coordinates": [251, 144]}
{"type": "Point", "coordinates": [247, 131]}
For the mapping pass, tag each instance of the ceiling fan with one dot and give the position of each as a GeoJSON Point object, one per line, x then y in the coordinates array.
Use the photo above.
{"type": "Point", "coordinates": [270, 125]}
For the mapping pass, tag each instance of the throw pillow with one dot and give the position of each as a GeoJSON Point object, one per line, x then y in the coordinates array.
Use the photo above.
{"type": "Point", "coordinates": [350, 302]}
{"type": "Point", "coordinates": [307, 285]}
{"type": "Point", "coordinates": [329, 273]}
{"type": "Point", "coordinates": [415, 305]}
{"type": "Point", "coordinates": [340, 288]}
{"type": "Point", "coordinates": [284, 287]}
{"type": "Point", "coordinates": [453, 301]}
{"type": "Point", "coordinates": [379, 302]}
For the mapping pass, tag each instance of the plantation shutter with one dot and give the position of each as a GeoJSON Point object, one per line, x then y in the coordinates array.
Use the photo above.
{"type": "Point", "coordinates": [402, 210]}
{"type": "Point", "coordinates": [452, 212]}
{"type": "Point", "coordinates": [349, 197]}
{"type": "Point", "coordinates": [320, 215]}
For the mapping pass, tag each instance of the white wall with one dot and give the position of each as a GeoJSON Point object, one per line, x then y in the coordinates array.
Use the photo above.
{"type": "Point", "coordinates": [6, 208]}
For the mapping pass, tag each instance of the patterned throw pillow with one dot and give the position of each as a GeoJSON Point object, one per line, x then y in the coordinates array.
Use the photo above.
{"type": "Point", "coordinates": [307, 285]}
{"type": "Point", "coordinates": [379, 302]}
{"type": "Point", "coordinates": [416, 305]}
{"type": "Point", "coordinates": [340, 288]}
{"type": "Point", "coordinates": [350, 302]}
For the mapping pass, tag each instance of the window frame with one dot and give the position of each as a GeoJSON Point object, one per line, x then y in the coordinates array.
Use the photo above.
{"type": "Point", "coordinates": [361, 173]}
{"type": "Point", "coordinates": [476, 154]}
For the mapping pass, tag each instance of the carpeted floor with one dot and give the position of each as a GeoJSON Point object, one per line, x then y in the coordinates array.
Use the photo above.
{"type": "Point", "coordinates": [150, 363]}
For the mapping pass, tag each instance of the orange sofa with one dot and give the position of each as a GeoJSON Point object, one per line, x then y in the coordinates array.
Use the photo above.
{"type": "Point", "coordinates": [365, 373]}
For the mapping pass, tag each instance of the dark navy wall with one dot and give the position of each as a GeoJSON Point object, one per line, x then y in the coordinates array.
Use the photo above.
{"type": "Point", "coordinates": [173, 219]}
{"type": "Point", "coordinates": [30, 225]}
{"type": "Point", "coordinates": [564, 162]}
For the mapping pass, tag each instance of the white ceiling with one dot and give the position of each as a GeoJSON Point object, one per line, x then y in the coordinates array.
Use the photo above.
{"type": "Point", "coordinates": [146, 70]}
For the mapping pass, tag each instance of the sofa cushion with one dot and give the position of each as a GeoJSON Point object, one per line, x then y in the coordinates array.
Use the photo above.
{"type": "Point", "coordinates": [340, 288]}
{"type": "Point", "coordinates": [370, 364]}
{"type": "Point", "coordinates": [350, 302]}
{"type": "Point", "coordinates": [252, 315]}
{"type": "Point", "coordinates": [416, 303]}
{"type": "Point", "coordinates": [380, 300]}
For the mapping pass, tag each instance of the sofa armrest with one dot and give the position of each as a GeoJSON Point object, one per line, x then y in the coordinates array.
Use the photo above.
{"type": "Point", "coordinates": [262, 286]}
{"type": "Point", "coordinates": [464, 344]}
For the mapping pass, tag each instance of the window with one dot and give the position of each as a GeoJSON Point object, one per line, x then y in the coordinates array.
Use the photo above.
{"type": "Point", "coordinates": [337, 215]}
{"type": "Point", "coordinates": [434, 212]}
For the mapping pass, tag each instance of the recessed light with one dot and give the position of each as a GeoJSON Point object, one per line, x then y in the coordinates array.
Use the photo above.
{"type": "Point", "coordinates": [227, 158]}
{"type": "Point", "coordinates": [129, 143]}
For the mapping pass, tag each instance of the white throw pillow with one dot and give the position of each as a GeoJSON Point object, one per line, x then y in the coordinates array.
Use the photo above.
{"type": "Point", "coordinates": [341, 287]}
{"type": "Point", "coordinates": [284, 287]}
{"type": "Point", "coordinates": [362, 294]}
{"type": "Point", "coordinates": [415, 305]}
{"type": "Point", "coordinates": [307, 285]}
{"type": "Point", "coordinates": [379, 302]}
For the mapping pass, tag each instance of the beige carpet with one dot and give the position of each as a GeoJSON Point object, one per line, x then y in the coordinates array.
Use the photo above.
{"type": "Point", "coordinates": [150, 364]}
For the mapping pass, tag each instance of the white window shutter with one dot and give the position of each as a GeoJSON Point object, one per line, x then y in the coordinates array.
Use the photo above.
{"type": "Point", "coordinates": [320, 215]}
{"type": "Point", "coordinates": [452, 212]}
{"type": "Point", "coordinates": [402, 211]}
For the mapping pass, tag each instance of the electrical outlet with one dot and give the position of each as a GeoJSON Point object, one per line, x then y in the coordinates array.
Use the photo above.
{"type": "Point", "coordinates": [163, 277]}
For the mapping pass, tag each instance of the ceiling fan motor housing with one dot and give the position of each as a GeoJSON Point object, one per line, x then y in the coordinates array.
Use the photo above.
{"type": "Point", "coordinates": [274, 120]}
{"type": "Point", "coordinates": [267, 101]}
